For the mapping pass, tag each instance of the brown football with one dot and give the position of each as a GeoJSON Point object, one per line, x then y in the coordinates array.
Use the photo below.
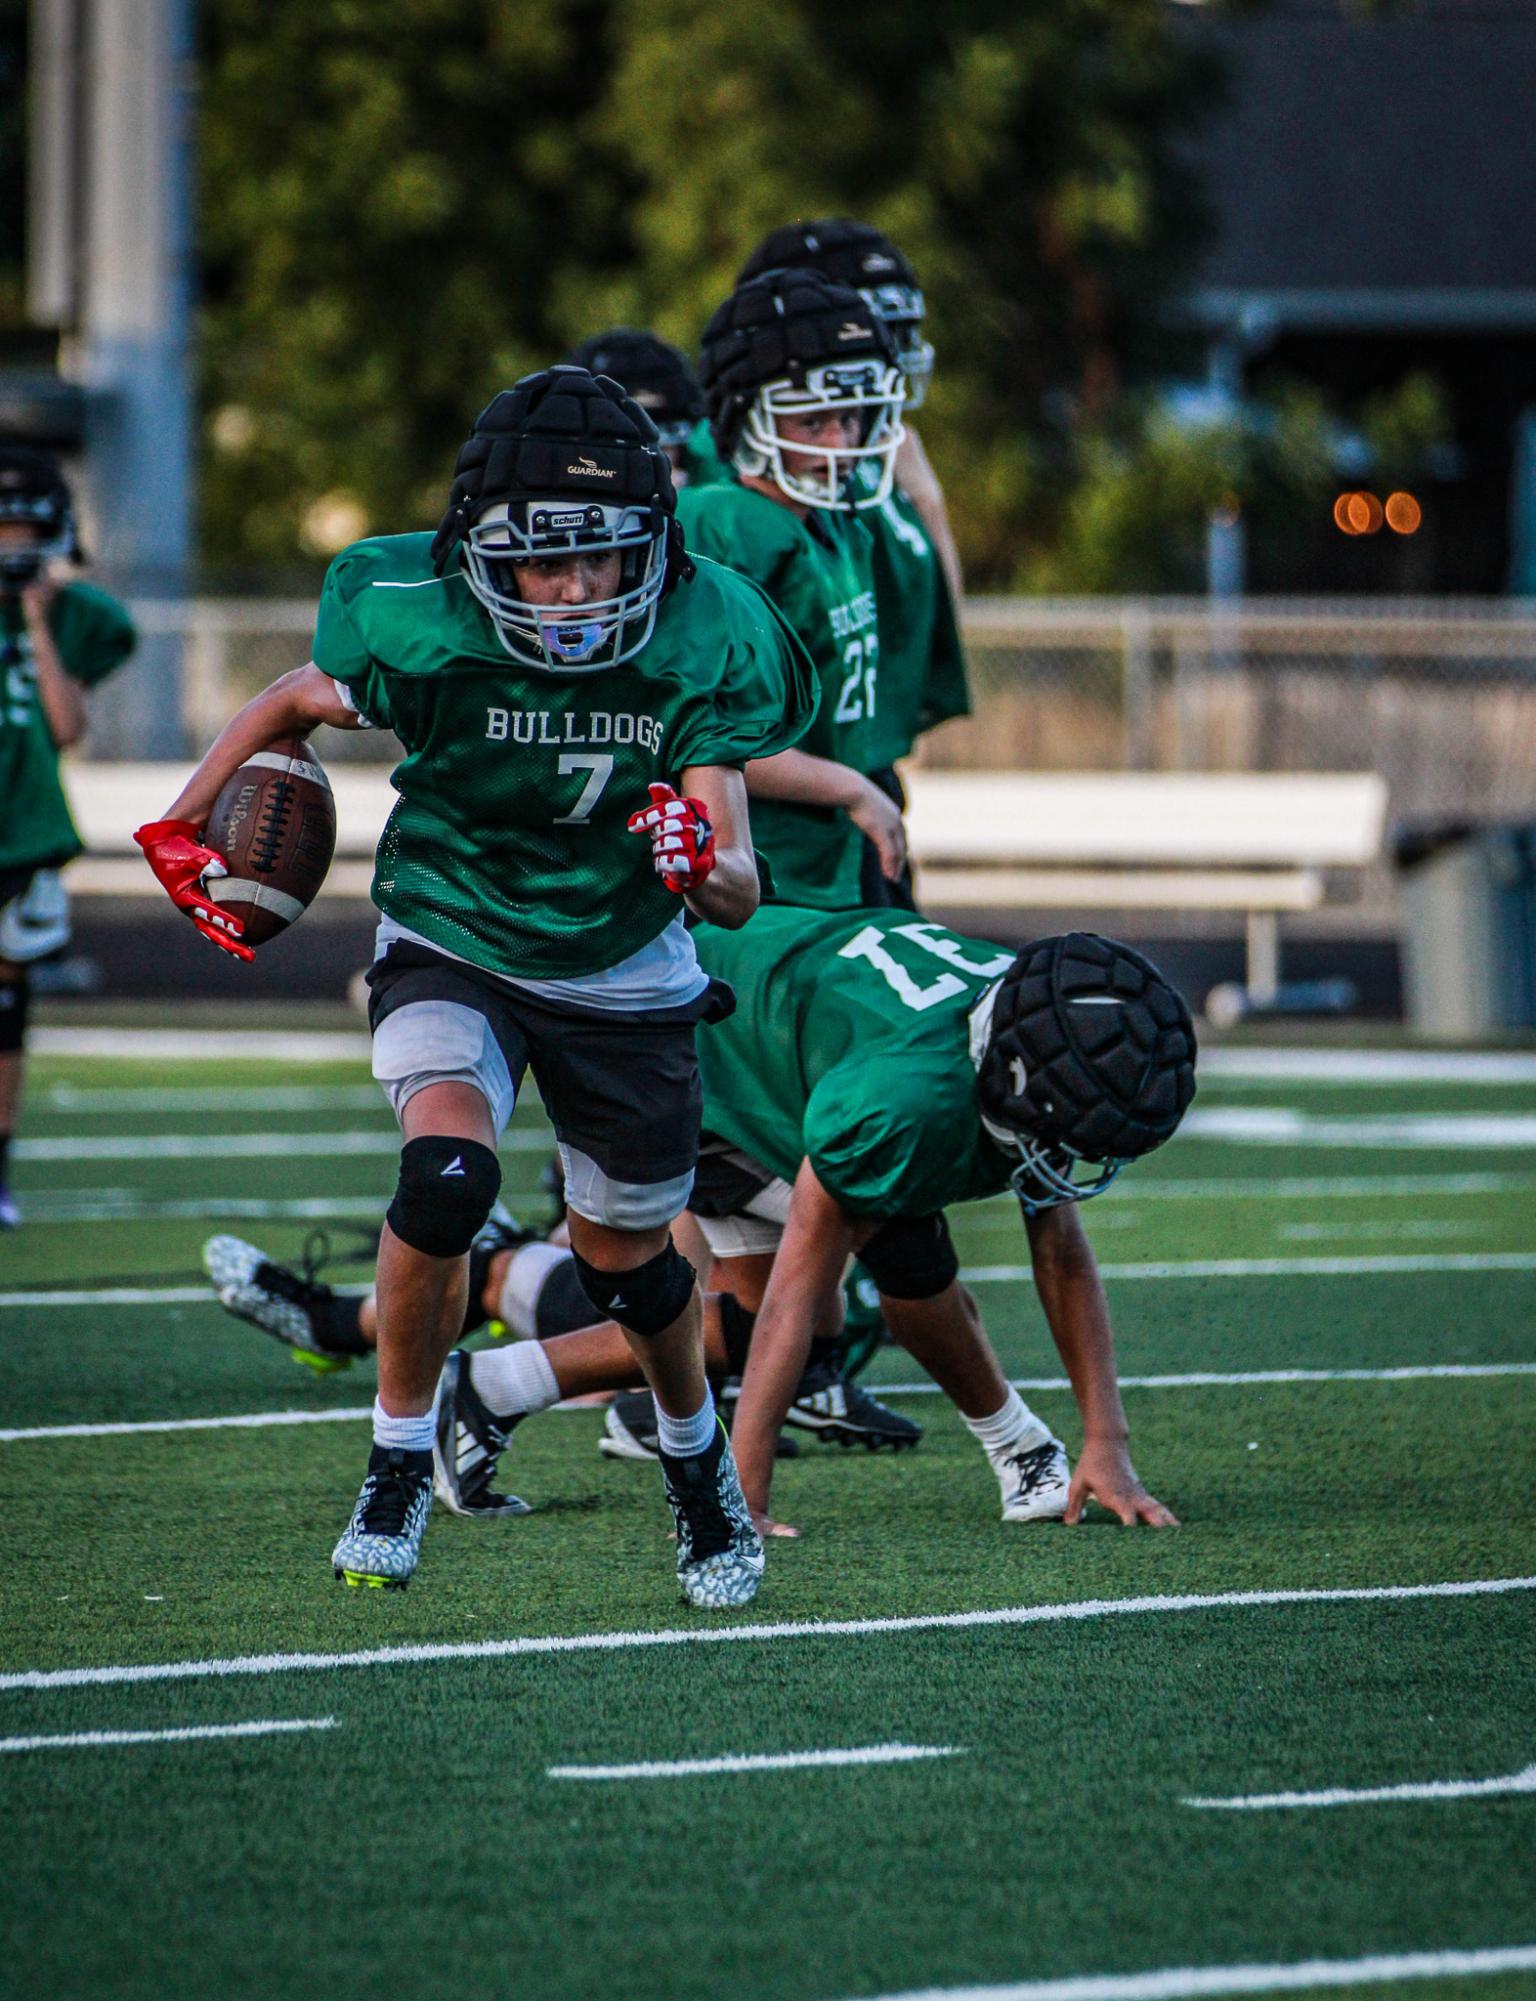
{"type": "Point", "coordinates": [275, 824]}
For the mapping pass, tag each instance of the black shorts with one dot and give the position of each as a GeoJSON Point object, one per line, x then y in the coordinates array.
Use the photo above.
{"type": "Point", "coordinates": [621, 1089]}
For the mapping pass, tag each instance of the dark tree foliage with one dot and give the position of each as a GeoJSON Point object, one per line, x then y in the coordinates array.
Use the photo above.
{"type": "Point", "coordinates": [405, 206]}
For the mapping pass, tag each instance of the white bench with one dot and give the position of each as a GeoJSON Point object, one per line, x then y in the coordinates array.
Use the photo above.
{"type": "Point", "coordinates": [982, 839]}
{"type": "Point", "coordinates": [1252, 842]}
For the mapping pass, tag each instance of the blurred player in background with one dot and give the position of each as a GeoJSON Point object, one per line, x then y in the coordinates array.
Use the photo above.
{"type": "Point", "coordinates": [661, 380]}
{"type": "Point", "coordinates": [878, 1069]}
{"type": "Point", "coordinates": [804, 400]}
{"type": "Point", "coordinates": [59, 638]}
{"type": "Point", "coordinates": [542, 659]}
{"type": "Point", "coordinates": [922, 678]}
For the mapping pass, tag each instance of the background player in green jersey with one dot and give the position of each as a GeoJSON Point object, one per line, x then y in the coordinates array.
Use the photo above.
{"type": "Point", "coordinates": [59, 638]}
{"type": "Point", "coordinates": [544, 659]}
{"type": "Point", "coordinates": [804, 396]}
{"type": "Point", "coordinates": [883, 1067]}
{"type": "Point", "coordinates": [661, 380]}
{"type": "Point", "coordinates": [878, 1069]}
{"type": "Point", "coordinates": [916, 565]}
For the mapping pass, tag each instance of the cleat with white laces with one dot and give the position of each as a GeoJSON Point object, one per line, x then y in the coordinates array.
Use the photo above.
{"type": "Point", "coordinates": [1035, 1480]}
{"type": "Point", "coordinates": [842, 1412]}
{"type": "Point", "coordinates": [381, 1545]}
{"type": "Point", "coordinates": [470, 1440]}
{"type": "Point", "coordinates": [294, 1307]}
{"type": "Point", "coordinates": [719, 1552]}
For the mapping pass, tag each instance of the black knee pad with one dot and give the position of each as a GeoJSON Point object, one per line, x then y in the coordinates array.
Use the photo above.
{"type": "Point", "coordinates": [15, 1004]}
{"type": "Point", "coordinates": [444, 1194]}
{"type": "Point", "coordinates": [647, 1298]}
{"type": "Point", "coordinates": [736, 1326]}
{"type": "Point", "coordinates": [912, 1257]}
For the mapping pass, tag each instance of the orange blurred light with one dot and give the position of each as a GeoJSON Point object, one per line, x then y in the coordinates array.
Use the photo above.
{"type": "Point", "coordinates": [1365, 511]}
{"type": "Point", "coordinates": [1404, 514]}
{"type": "Point", "coordinates": [1341, 519]}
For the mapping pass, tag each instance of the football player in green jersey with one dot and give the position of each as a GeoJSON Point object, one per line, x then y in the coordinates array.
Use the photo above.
{"type": "Point", "coordinates": [546, 657]}
{"type": "Point", "coordinates": [804, 400]}
{"type": "Point", "coordinates": [59, 638]}
{"type": "Point", "coordinates": [879, 1069]}
{"type": "Point", "coordinates": [916, 565]}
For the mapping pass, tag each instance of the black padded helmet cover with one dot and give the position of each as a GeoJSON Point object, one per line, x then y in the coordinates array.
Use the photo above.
{"type": "Point", "coordinates": [774, 329]}
{"type": "Point", "coordinates": [657, 375]}
{"type": "Point", "coordinates": [1089, 1049]}
{"type": "Point", "coordinates": [848, 252]}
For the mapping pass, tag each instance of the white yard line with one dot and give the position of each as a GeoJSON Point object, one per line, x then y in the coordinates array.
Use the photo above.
{"type": "Point", "coordinates": [1341, 1267]}
{"type": "Point", "coordinates": [1434, 1789]}
{"type": "Point", "coordinates": [783, 1761]}
{"type": "Point", "coordinates": [1200, 1380]}
{"type": "Point", "coordinates": [1138, 1188]}
{"type": "Point", "coordinates": [1188, 1983]}
{"type": "Point", "coordinates": [90, 1739]}
{"type": "Point", "coordinates": [699, 1636]}
{"type": "Point", "coordinates": [1277, 1125]}
{"type": "Point", "coordinates": [64, 1099]}
{"type": "Point", "coordinates": [1449, 1261]}
{"type": "Point", "coordinates": [180, 1045]}
{"type": "Point", "coordinates": [202, 1147]}
{"type": "Point", "coordinates": [1371, 1066]}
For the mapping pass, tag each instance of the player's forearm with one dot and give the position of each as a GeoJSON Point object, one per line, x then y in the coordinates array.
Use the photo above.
{"type": "Point", "coordinates": [292, 706]}
{"type": "Point", "coordinates": [797, 776]}
{"type": "Point", "coordinates": [60, 697]}
{"type": "Point", "coordinates": [1077, 1313]}
{"type": "Point", "coordinates": [730, 893]}
{"type": "Point", "coordinates": [917, 479]}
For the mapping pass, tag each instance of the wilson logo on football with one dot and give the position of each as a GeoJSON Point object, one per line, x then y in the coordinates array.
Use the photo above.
{"type": "Point", "coordinates": [592, 470]}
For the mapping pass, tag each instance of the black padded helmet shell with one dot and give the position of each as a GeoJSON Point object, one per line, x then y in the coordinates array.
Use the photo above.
{"type": "Point", "coordinates": [657, 375]}
{"type": "Point", "coordinates": [563, 431]}
{"type": "Point", "coordinates": [33, 490]}
{"type": "Point", "coordinates": [850, 253]}
{"type": "Point", "coordinates": [1090, 1049]}
{"type": "Point", "coordinates": [774, 328]}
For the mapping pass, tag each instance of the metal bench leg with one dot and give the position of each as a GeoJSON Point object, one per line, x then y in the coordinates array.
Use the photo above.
{"type": "Point", "coordinates": [1263, 955]}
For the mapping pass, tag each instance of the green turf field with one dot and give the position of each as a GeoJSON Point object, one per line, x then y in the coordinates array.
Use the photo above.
{"type": "Point", "coordinates": [1071, 1697]}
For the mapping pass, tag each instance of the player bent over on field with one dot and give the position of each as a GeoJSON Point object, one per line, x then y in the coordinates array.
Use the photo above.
{"type": "Point", "coordinates": [878, 1069]}
{"type": "Point", "coordinates": [544, 658]}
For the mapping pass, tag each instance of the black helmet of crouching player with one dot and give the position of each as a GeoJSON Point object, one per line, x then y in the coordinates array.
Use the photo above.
{"type": "Point", "coordinates": [1085, 1059]}
{"type": "Point", "coordinates": [858, 254]}
{"type": "Point", "coordinates": [658, 376]}
{"type": "Point", "coordinates": [33, 493]}
{"type": "Point", "coordinates": [792, 343]}
{"type": "Point", "coordinates": [564, 464]}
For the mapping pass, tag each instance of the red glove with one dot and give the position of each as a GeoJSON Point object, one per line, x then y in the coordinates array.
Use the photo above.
{"type": "Point", "coordinates": [174, 850]}
{"type": "Point", "coordinates": [682, 839]}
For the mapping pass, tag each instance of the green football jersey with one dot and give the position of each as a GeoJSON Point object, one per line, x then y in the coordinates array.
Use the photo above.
{"type": "Point", "coordinates": [819, 573]}
{"type": "Point", "coordinates": [922, 663]}
{"type": "Point", "coordinates": [850, 1048]}
{"type": "Point", "coordinates": [509, 843]}
{"type": "Point", "coordinates": [94, 635]}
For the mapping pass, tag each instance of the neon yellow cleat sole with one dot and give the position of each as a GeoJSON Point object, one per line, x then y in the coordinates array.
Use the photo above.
{"type": "Point", "coordinates": [323, 1365]}
{"type": "Point", "coordinates": [362, 1580]}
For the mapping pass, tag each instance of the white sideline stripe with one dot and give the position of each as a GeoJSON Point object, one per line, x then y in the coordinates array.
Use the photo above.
{"type": "Point", "coordinates": [698, 1636]}
{"type": "Point", "coordinates": [1343, 1267]}
{"type": "Point", "coordinates": [90, 1739]}
{"type": "Point", "coordinates": [1468, 1261]}
{"type": "Point", "coordinates": [242, 1146]}
{"type": "Point", "coordinates": [1274, 1125]}
{"type": "Point", "coordinates": [1300, 1187]}
{"type": "Point", "coordinates": [1432, 1789]}
{"type": "Point", "coordinates": [783, 1761]}
{"type": "Point", "coordinates": [179, 1045]}
{"type": "Point", "coordinates": [146, 1209]}
{"type": "Point", "coordinates": [200, 1098]}
{"type": "Point", "coordinates": [1371, 1066]}
{"type": "Point", "coordinates": [260, 1419]}
{"type": "Point", "coordinates": [1186, 1983]}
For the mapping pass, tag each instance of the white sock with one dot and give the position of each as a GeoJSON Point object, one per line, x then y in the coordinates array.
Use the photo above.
{"type": "Point", "coordinates": [527, 1269]}
{"type": "Point", "coordinates": [410, 1434]}
{"type": "Point", "coordinates": [686, 1437]}
{"type": "Point", "coordinates": [1014, 1427]}
{"type": "Point", "coordinates": [516, 1379]}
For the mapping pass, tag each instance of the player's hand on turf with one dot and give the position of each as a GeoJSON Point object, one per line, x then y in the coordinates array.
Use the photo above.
{"type": "Point", "coordinates": [767, 1526]}
{"type": "Point", "coordinates": [175, 851]}
{"type": "Point", "coordinates": [1104, 1473]}
{"type": "Point", "coordinates": [880, 818]}
{"type": "Point", "coordinates": [682, 839]}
